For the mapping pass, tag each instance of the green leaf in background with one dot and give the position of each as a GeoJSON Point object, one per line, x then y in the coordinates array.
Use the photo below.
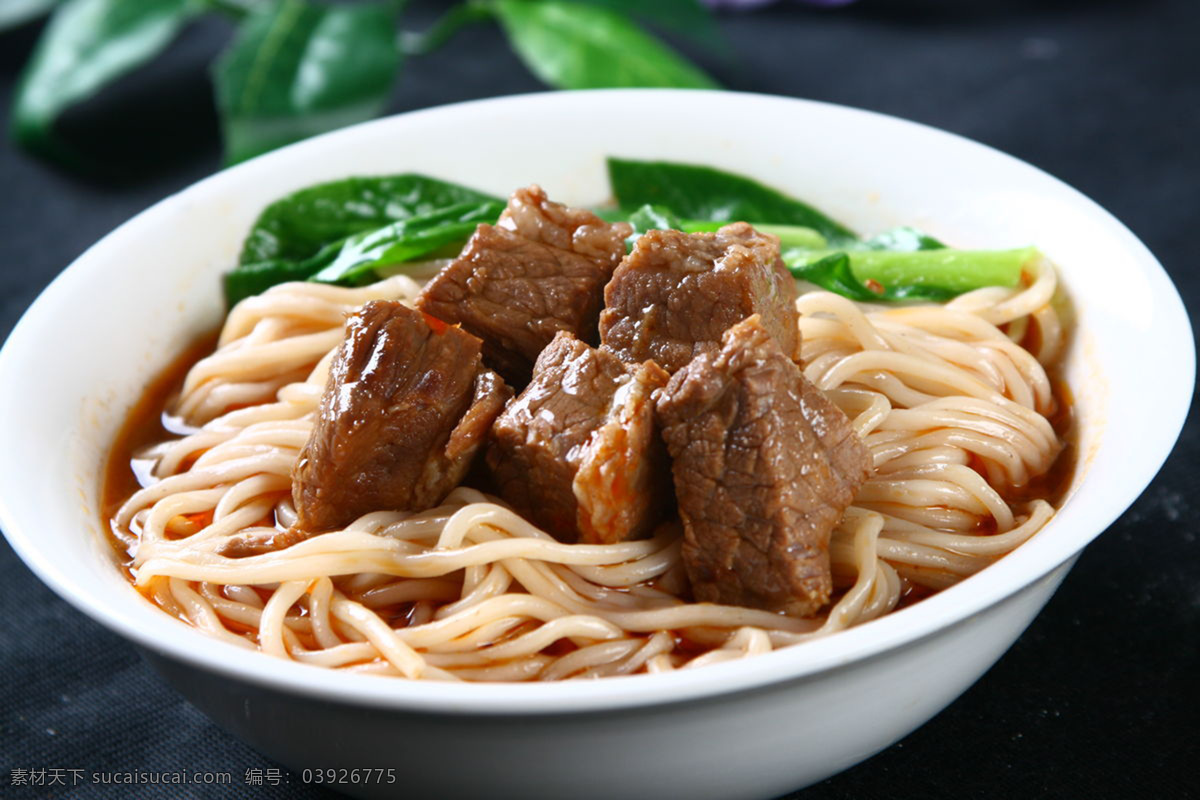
{"type": "Point", "coordinates": [296, 69]}
{"type": "Point", "coordinates": [937, 274]}
{"type": "Point", "coordinates": [443, 30]}
{"type": "Point", "coordinates": [703, 193]}
{"type": "Point", "coordinates": [86, 45]}
{"type": "Point", "coordinates": [405, 240]}
{"type": "Point", "coordinates": [687, 17]}
{"type": "Point", "coordinates": [298, 226]}
{"type": "Point", "coordinates": [581, 46]}
{"type": "Point", "coordinates": [18, 12]}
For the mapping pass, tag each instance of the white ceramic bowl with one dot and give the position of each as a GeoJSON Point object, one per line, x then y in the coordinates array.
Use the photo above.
{"type": "Point", "coordinates": [752, 729]}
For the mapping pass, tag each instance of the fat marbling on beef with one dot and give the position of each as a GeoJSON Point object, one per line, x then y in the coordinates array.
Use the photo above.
{"type": "Point", "coordinates": [540, 270]}
{"type": "Point", "coordinates": [764, 467]}
{"type": "Point", "coordinates": [577, 452]}
{"type": "Point", "coordinates": [407, 405]}
{"type": "Point", "coordinates": [675, 295]}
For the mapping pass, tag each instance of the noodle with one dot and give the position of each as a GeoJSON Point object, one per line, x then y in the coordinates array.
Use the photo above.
{"type": "Point", "coordinates": [954, 411]}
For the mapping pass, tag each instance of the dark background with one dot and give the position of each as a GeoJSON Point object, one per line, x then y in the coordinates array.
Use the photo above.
{"type": "Point", "coordinates": [1097, 699]}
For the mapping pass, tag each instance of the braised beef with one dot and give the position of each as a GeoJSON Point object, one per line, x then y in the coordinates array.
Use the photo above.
{"type": "Point", "coordinates": [541, 269]}
{"type": "Point", "coordinates": [764, 467]}
{"type": "Point", "coordinates": [577, 452]}
{"type": "Point", "coordinates": [407, 404]}
{"type": "Point", "coordinates": [675, 295]}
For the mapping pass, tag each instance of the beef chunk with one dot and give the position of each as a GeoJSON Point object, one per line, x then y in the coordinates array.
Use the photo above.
{"type": "Point", "coordinates": [533, 216]}
{"type": "Point", "coordinates": [675, 295]}
{"type": "Point", "coordinates": [541, 269]}
{"type": "Point", "coordinates": [577, 451]}
{"type": "Point", "coordinates": [407, 404]}
{"type": "Point", "coordinates": [764, 467]}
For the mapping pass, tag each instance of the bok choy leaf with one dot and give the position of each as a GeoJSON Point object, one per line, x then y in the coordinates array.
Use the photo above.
{"type": "Point", "coordinates": [342, 230]}
{"type": "Point", "coordinates": [874, 275]}
{"type": "Point", "coordinates": [406, 240]}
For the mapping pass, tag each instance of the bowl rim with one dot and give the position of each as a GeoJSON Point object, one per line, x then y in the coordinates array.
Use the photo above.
{"type": "Point", "coordinates": [1008, 576]}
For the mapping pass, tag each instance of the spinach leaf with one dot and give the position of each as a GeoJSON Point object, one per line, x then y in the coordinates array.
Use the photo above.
{"type": "Point", "coordinates": [18, 12]}
{"type": "Point", "coordinates": [297, 226]}
{"type": "Point", "coordinates": [405, 240]}
{"type": "Point", "coordinates": [704, 193]}
{"type": "Point", "coordinates": [87, 45]}
{"type": "Point", "coordinates": [580, 46]}
{"type": "Point", "coordinates": [296, 69]}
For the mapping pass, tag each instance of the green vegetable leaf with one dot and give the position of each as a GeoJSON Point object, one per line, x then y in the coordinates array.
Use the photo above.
{"type": "Point", "coordinates": [902, 239]}
{"type": "Point", "coordinates": [298, 226]}
{"type": "Point", "coordinates": [18, 12]}
{"type": "Point", "coordinates": [649, 218]}
{"type": "Point", "coordinates": [248, 280]}
{"type": "Point", "coordinates": [405, 240]}
{"type": "Point", "coordinates": [296, 69]}
{"type": "Point", "coordinates": [87, 45]}
{"type": "Point", "coordinates": [703, 193]}
{"type": "Point", "coordinates": [832, 272]}
{"type": "Point", "coordinates": [789, 235]}
{"type": "Point", "coordinates": [340, 232]}
{"type": "Point", "coordinates": [611, 214]}
{"type": "Point", "coordinates": [914, 275]}
{"type": "Point", "coordinates": [581, 46]}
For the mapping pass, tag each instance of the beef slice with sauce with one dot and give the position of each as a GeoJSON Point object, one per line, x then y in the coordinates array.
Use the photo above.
{"type": "Point", "coordinates": [577, 452]}
{"type": "Point", "coordinates": [406, 407]}
{"type": "Point", "coordinates": [540, 270]}
{"type": "Point", "coordinates": [674, 296]}
{"type": "Point", "coordinates": [764, 467]}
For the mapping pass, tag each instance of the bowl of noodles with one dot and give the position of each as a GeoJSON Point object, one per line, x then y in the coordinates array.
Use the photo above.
{"type": "Point", "coordinates": [984, 338]}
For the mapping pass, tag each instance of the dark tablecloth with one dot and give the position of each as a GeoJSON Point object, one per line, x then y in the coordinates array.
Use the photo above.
{"type": "Point", "coordinates": [1097, 699]}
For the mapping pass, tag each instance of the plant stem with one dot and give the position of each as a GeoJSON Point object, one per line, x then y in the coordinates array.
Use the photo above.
{"type": "Point", "coordinates": [237, 9]}
{"type": "Point", "coordinates": [463, 14]}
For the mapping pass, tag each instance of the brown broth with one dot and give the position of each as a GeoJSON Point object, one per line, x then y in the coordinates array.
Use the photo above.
{"type": "Point", "coordinates": [146, 424]}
